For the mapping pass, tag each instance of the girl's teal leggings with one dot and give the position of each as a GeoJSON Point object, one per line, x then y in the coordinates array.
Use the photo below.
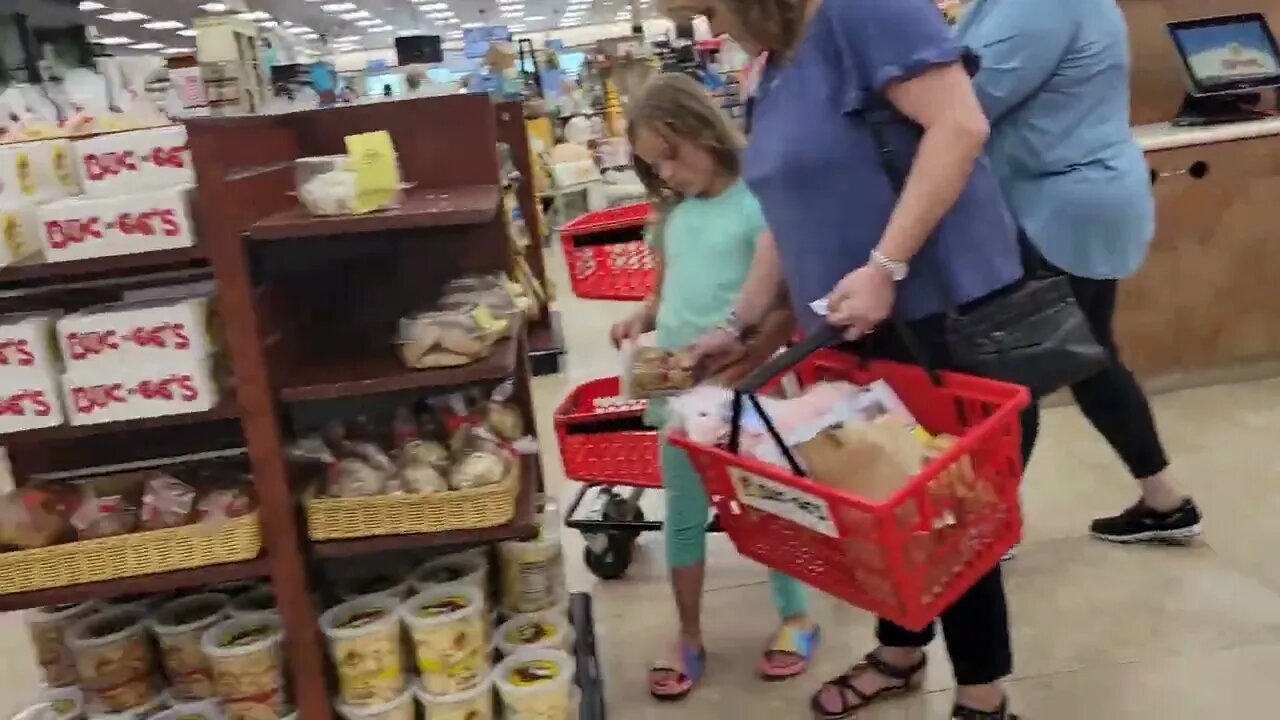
{"type": "Point", "coordinates": [686, 529]}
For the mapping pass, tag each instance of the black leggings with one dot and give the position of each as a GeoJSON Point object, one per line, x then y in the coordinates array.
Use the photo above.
{"type": "Point", "coordinates": [976, 626]}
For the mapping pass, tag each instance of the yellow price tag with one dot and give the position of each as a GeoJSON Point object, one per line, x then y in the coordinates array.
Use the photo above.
{"type": "Point", "coordinates": [487, 322]}
{"type": "Point", "coordinates": [373, 157]}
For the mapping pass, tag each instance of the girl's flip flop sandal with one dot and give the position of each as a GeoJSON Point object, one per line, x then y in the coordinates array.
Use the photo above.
{"type": "Point", "coordinates": [687, 670]}
{"type": "Point", "coordinates": [790, 653]}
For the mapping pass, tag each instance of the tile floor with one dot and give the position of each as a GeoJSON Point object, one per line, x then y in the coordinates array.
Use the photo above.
{"type": "Point", "coordinates": [1101, 632]}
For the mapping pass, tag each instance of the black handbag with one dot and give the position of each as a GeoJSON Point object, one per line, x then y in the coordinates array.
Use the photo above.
{"type": "Point", "coordinates": [1034, 334]}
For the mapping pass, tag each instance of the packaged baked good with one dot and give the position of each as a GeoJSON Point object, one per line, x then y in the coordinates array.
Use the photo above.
{"type": "Point", "coordinates": [448, 629]}
{"type": "Point", "coordinates": [114, 659]}
{"type": "Point", "coordinates": [179, 627]}
{"type": "Point", "coordinates": [503, 416]}
{"type": "Point", "coordinates": [166, 502]}
{"type": "Point", "coordinates": [421, 466]}
{"type": "Point", "coordinates": [649, 372]}
{"type": "Point", "coordinates": [225, 503]}
{"type": "Point", "coordinates": [247, 658]}
{"type": "Point", "coordinates": [353, 477]}
{"type": "Point", "coordinates": [481, 468]}
{"type": "Point", "coordinates": [443, 338]}
{"type": "Point", "coordinates": [547, 630]}
{"type": "Point", "coordinates": [532, 573]}
{"type": "Point", "coordinates": [473, 704]}
{"type": "Point", "coordinates": [390, 583]}
{"type": "Point", "coordinates": [56, 704]}
{"type": "Point", "coordinates": [364, 643]}
{"type": "Point", "coordinates": [536, 685]}
{"type": "Point", "coordinates": [489, 298]}
{"type": "Point", "coordinates": [260, 602]}
{"type": "Point", "coordinates": [399, 708]}
{"type": "Point", "coordinates": [33, 518]}
{"type": "Point", "coordinates": [48, 626]}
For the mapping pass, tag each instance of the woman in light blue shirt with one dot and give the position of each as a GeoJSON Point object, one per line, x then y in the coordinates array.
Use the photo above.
{"type": "Point", "coordinates": [1054, 82]}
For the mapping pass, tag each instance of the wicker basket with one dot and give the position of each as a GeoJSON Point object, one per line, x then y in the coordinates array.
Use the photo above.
{"type": "Point", "coordinates": [346, 518]}
{"type": "Point", "coordinates": [132, 555]}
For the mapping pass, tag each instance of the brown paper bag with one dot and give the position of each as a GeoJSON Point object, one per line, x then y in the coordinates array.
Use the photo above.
{"type": "Point", "coordinates": [871, 461]}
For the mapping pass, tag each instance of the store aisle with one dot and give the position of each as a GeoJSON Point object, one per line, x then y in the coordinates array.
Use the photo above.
{"type": "Point", "coordinates": [1101, 632]}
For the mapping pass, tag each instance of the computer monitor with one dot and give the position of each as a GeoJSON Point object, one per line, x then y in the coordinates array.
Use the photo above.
{"type": "Point", "coordinates": [1227, 54]}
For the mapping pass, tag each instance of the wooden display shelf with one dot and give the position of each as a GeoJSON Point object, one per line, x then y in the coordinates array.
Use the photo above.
{"type": "Point", "coordinates": [225, 410]}
{"type": "Point", "coordinates": [109, 266]}
{"type": "Point", "coordinates": [346, 377]}
{"type": "Point", "coordinates": [522, 527]}
{"type": "Point", "coordinates": [182, 579]}
{"type": "Point", "coordinates": [422, 208]}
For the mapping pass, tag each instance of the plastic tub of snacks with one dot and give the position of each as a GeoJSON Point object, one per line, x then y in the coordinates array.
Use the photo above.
{"type": "Point", "coordinates": [536, 685]}
{"type": "Point", "coordinates": [473, 704]}
{"type": "Point", "coordinates": [449, 630]}
{"type": "Point", "coordinates": [248, 666]}
{"type": "Point", "coordinates": [146, 712]}
{"type": "Point", "coordinates": [389, 584]}
{"type": "Point", "coordinates": [201, 710]}
{"type": "Point", "coordinates": [56, 704]}
{"type": "Point", "coordinates": [48, 626]}
{"type": "Point", "coordinates": [179, 628]}
{"type": "Point", "coordinates": [445, 338]}
{"type": "Point", "coordinates": [398, 708]}
{"type": "Point", "coordinates": [469, 568]}
{"type": "Point", "coordinates": [532, 574]}
{"type": "Point", "coordinates": [364, 642]}
{"type": "Point", "coordinates": [259, 602]}
{"type": "Point", "coordinates": [114, 659]}
{"type": "Point", "coordinates": [547, 630]}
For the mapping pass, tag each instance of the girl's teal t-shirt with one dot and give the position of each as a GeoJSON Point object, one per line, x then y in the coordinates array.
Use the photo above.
{"type": "Point", "coordinates": [706, 245]}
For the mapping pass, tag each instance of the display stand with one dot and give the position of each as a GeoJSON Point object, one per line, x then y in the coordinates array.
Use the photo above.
{"type": "Point", "coordinates": [308, 308]}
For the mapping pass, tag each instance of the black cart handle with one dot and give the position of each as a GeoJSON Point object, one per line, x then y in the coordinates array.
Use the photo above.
{"type": "Point", "coordinates": [789, 358]}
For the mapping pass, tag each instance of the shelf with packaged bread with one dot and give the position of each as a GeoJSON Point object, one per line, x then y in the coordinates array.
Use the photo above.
{"type": "Point", "coordinates": [225, 410]}
{"type": "Point", "coordinates": [421, 208]}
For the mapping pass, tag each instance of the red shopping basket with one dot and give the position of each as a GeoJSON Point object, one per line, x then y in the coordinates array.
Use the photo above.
{"type": "Point", "coordinates": [607, 256]}
{"type": "Point", "coordinates": [603, 438]}
{"type": "Point", "coordinates": [908, 558]}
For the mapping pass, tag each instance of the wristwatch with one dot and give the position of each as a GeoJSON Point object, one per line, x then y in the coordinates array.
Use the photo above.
{"type": "Point", "coordinates": [895, 269]}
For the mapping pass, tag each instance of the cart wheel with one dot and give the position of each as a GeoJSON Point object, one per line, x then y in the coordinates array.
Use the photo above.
{"type": "Point", "coordinates": [612, 562]}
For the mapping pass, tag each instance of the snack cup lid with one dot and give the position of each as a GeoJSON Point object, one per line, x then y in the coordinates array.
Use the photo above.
{"type": "Point", "coordinates": [126, 620]}
{"type": "Point", "coordinates": [374, 586]}
{"type": "Point", "coordinates": [173, 617]}
{"type": "Point", "coordinates": [54, 613]}
{"type": "Point", "coordinates": [467, 569]}
{"type": "Point", "coordinates": [374, 712]}
{"type": "Point", "coordinates": [257, 601]}
{"type": "Point", "coordinates": [360, 616]}
{"type": "Point", "coordinates": [200, 710]}
{"type": "Point", "coordinates": [264, 631]}
{"type": "Point", "coordinates": [485, 686]}
{"type": "Point", "coordinates": [443, 604]}
{"type": "Point", "coordinates": [545, 629]}
{"type": "Point", "coordinates": [534, 671]}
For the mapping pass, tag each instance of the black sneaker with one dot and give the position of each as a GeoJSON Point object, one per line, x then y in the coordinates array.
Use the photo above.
{"type": "Point", "coordinates": [1141, 524]}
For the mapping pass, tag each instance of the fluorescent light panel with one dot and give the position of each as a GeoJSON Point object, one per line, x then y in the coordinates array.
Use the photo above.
{"type": "Point", "coordinates": [338, 7]}
{"type": "Point", "coordinates": [535, 18]}
{"type": "Point", "coordinates": [163, 25]}
{"type": "Point", "coordinates": [369, 23]}
{"type": "Point", "coordinates": [146, 46]}
{"type": "Point", "coordinates": [117, 40]}
{"type": "Point", "coordinates": [124, 16]}
{"type": "Point", "coordinates": [188, 33]}
{"type": "Point", "coordinates": [177, 50]}
{"type": "Point", "coordinates": [214, 7]}
{"type": "Point", "coordinates": [255, 15]}
{"type": "Point", "coordinates": [89, 5]}
{"type": "Point", "coordinates": [355, 15]}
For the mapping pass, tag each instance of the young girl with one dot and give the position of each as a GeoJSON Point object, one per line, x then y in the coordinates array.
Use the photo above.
{"type": "Point", "coordinates": [705, 238]}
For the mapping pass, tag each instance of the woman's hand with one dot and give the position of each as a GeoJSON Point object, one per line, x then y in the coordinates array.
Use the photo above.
{"type": "Point", "coordinates": [639, 323]}
{"type": "Point", "coordinates": [714, 351]}
{"type": "Point", "coordinates": [861, 301]}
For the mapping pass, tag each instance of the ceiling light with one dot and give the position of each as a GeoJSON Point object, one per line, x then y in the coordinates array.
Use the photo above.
{"type": "Point", "coordinates": [117, 40]}
{"type": "Point", "coordinates": [146, 46]}
{"type": "Point", "coordinates": [570, 23]}
{"type": "Point", "coordinates": [300, 30]}
{"type": "Point", "coordinates": [188, 33]}
{"type": "Point", "coordinates": [163, 25]}
{"type": "Point", "coordinates": [454, 34]}
{"type": "Point", "coordinates": [535, 18]}
{"type": "Point", "coordinates": [436, 6]}
{"type": "Point", "coordinates": [124, 16]}
{"type": "Point", "coordinates": [177, 50]}
{"type": "Point", "coordinates": [355, 15]}
{"type": "Point", "coordinates": [382, 29]}
{"type": "Point", "coordinates": [338, 7]}
{"type": "Point", "coordinates": [450, 21]}
{"type": "Point", "coordinates": [269, 24]}
{"type": "Point", "coordinates": [440, 15]}
{"type": "Point", "coordinates": [88, 5]}
{"type": "Point", "coordinates": [311, 36]}
{"type": "Point", "coordinates": [516, 28]}
{"type": "Point", "coordinates": [472, 25]}
{"type": "Point", "coordinates": [214, 7]}
{"type": "Point", "coordinates": [369, 23]}
{"type": "Point", "coordinates": [347, 39]}
{"type": "Point", "coordinates": [255, 15]}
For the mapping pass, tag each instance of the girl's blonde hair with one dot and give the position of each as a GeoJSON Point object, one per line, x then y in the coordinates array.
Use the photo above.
{"type": "Point", "coordinates": [675, 106]}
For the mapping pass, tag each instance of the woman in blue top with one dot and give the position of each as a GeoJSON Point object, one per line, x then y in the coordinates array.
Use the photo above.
{"type": "Point", "coordinates": [841, 231]}
{"type": "Point", "coordinates": [1054, 82]}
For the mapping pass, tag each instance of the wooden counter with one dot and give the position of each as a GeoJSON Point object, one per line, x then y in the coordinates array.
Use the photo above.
{"type": "Point", "coordinates": [1205, 307]}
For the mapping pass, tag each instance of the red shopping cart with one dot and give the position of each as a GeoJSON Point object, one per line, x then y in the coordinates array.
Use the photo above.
{"type": "Point", "coordinates": [905, 559]}
{"type": "Point", "coordinates": [607, 255]}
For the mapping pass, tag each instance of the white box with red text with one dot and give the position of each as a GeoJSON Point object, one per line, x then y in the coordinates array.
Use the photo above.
{"type": "Point", "coordinates": [29, 402]}
{"type": "Point", "coordinates": [27, 348]}
{"type": "Point", "coordinates": [130, 162]}
{"type": "Point", "coordinates": [152, 333]}
{"type": "Point", "coordinates": [81, 228]}
{"type": "Point", "coordinates": [130, 393]}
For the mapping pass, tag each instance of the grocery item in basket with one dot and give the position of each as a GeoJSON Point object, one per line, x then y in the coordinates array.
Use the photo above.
{"type": "Point", "coordinates": [426, 452]}
{"type": "Point", "coordinates": [473, 704]}
{"type": "Point", "coordinates": [536, 685]}
{"type": "Point", "coordinates": [419, 468]}
{"type": "Point", "coordinates": [479, 469]}
{"type": "Point", "coordinates": [166, 502]}
{"type": "Point", "coordinates": [398, 708]}
{"type": "Point", "coordinates": [364, 643]}
{"type": "Point", "coordinates": [871, 461]}
{"type": "Point", "coordinates": [225, 503]}
{"type": "Point", "coordinates": [258, 602]}
{"type": "Point", "coordinates": [248, 667]}
{"type": "Point", "coordinates": [544, 630]}
{"type": "Point", "coordinates": [179, 627]}
{"type": "Point", "coordinates": [33, 518]}
{"type": "Point", "coordinates": [114, 659]}
{"type": "Point", "coordinates": [653, 372]}
{"type": "Point", "coordinates": [352, 477]}
{"type": "Point", "coordinates": [104, 516]}
{"type": "Point", "coordinates": [444, 338]}
{"type": "Point", "coordinates": [388, 583]}
{"type": "Point", "coordinates": [448, 629]}
{"type": "Point", "coordinates": [503, 416]}
{"type": "Point", "coordinates": [48, 626]}
{"type": "Point", "coordinates": [532, 574]}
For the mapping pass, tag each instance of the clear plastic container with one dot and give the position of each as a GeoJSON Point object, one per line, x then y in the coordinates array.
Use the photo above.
{"type": "Point", "coordinates": [201, 710]}
{"type": "Point", "coordinates": [547, 630]}
{"type": "Point", "coordinates": [491, 292]}
{"type": "Point", "coordinates": [470, 569]}
{"type": "Point", "coordinates": [532, 574]}
{"type": "Point", "coordinates": [179, 628]}
{"type": "Point", "coordinates": [364, 643]}
{"type": "Point", "coordinates": [115, 660]}
{"type": "Point", "coordinates": [260, 602]}
{"type": "Point", "coordinates": [247, 658]}
{"type": "Point", "coordinates": [473, 704]}
{"type": "Point", "coordinates": [56, 704]}
{"type": "Point", "coordinates": [48, 626]}
{"type": "Point", "coordinates": [380, 585]}
{"type": "Point", "coordinates": [326, 185]}
{"type": "Point", "coordinates": [449, 630]}
{"type": "Point", "coordinates": [398, 708]}
{"type": "Point", "coordinates": [536, 685]}
{"type": "Point", "coordinates": [444, 338]}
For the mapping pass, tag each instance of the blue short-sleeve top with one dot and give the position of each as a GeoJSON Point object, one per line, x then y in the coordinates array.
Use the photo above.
{"type": "Point", "coordinates": [813, 164]}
